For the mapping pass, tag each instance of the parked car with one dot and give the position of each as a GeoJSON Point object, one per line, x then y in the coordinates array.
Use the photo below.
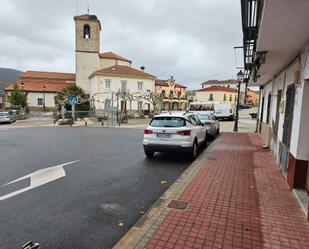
{"type": "Point", "coordinates": [246, 106]}
{"type": "Point", "coordinates": [7, 117]}
{"type": "Point", "coordinates": [178, 131]}
{"type": "Point", "coordinates": [225, 111]}
{"type": "Point", "coordinates": [211, 123]}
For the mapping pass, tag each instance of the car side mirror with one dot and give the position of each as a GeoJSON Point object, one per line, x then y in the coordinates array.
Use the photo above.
{"type": "Point", "coordinates": [202, 124]}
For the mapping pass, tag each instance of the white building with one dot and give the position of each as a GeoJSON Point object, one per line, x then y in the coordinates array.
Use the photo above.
{"type": "Point", "coordinates": [102, 75]}
{"type": "Point", "coordinates": [280, 66]}
{"type": "Point", "coordinates": [41, 88]}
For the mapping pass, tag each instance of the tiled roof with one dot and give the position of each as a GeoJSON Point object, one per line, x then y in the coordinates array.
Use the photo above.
{"type": "Point", "coordinates": [118, 70]}
{"type": "Point", "coordinates": [218, 88]}
{"type": "Point", "coordinates": [159, 82]}
{"type": "Point", "coordinates": [38, 86]}
{"type": "Point", "coordinates": [48, 75]}
{"type": "Point", "coordinates": [230, 81]}
{"type": "Point", "coordinates": [111, 55]}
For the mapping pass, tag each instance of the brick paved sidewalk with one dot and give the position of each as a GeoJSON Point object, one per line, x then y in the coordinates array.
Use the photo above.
{"type": "Point", "coordinates": [238, 199]}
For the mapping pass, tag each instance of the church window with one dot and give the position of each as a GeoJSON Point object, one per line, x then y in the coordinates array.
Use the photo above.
{"type": "Point", "coordinates": [123, 86]}
{"type": "Point", "coordinates": [86, 31]}
{"type": "Point", "coordinates": [108, 83]}
{"type": "Point", "coordinates": [140, 86]}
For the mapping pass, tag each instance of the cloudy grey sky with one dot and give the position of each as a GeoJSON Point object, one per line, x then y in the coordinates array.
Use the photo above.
{"type": "Point", "coordinates": [192, 40]}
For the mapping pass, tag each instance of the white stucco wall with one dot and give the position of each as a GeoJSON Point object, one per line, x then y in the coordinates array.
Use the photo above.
{"type": "Point", "coordinates": [100, 92]}
{"type": "Point", "coordinates": [299, 142]}
{"type": "Point", "coordinates": [86, 64]}
{"type": "Point", "coordinates": [32, 99]}
{"type": "Point", "coordinates": [217, 96]}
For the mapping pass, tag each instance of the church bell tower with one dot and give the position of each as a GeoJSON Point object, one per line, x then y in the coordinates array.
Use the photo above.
{"type": "Point", "coordinates": [87, 48]}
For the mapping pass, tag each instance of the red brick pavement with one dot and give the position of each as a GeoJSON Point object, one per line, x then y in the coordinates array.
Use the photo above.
{"type": "Point", "coordinates": [239, 199]}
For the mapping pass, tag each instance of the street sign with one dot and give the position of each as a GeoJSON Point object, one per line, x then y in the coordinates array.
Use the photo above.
{"type": "Point", "coordinates": [73, 100]}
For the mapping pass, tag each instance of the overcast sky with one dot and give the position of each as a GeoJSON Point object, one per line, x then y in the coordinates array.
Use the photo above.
{"type": "Point", "coordinates": [192, 40]}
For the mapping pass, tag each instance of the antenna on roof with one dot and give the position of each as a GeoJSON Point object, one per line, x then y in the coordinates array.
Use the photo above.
{"type": "Point", "coordinates": [88, 8]}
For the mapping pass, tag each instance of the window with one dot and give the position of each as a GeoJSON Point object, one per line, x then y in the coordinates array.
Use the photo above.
{"type": "Point", "coordinates": [140, 105]}
{"type": "Point", "coordinates": [86, 31]}
{"type": "Point", "coordinates": [123, 86]}
{"type": "Point", "coordinates": [168, 122]}
{"type": "Point", "coordinates": [140, 86]}
{"type": "Point", "coordinates": [40, 101]}
{"type": "Point", "coordinates": [211, 97]}
{"type": "Point", "coordinates": [224, 97]}
{"type": "Point", "coordinates": [235, 98]}
{"type": "Point", "coordinates": [163, 93]}
{"type": "Point", "coordinates": [192, 120]}
{"type": "Point", "coordinates": [107, 83]}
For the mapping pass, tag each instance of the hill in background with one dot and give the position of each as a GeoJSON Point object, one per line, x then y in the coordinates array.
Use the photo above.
{"type": "Point", "coordinates": [7, 76]}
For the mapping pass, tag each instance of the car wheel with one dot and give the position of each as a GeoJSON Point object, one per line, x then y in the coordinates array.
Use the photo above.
{"type": "Point", "coordinates": [194, 151]}
{"type": "Point", "coordinates": [149, 153]}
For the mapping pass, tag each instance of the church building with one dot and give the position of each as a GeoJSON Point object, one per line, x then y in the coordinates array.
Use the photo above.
{"type": "Point", "coordinates": [104, 76]}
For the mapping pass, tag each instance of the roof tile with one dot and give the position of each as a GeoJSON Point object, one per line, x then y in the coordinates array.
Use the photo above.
{"type": "Point", "coordinates": [118, 70]}
{"type": "Point", "coordinates": [217, 88]}
{"type": "Point", "coordinates": [38, 86]}
{"type": "Point", "coordinates": [48, 75]}
{"type": "Point", "coordinates": [111, 55]}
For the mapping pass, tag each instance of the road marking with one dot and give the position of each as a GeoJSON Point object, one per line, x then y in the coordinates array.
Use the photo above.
{"type": "Point", "coordinates": [39, 178]}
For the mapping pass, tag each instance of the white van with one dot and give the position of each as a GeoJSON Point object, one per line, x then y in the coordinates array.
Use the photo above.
{"type": "Point", "coordinates": [225, 111]}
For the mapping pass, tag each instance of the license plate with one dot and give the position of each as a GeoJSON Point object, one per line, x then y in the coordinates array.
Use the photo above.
{"type": "Point", "coordinates": [163, 135]}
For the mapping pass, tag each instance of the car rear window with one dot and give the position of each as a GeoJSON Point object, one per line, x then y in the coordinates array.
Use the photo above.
{"type": "Point", "coordinates": [168, 122]}
{"type": "Point", "coordinates": [203, 116]}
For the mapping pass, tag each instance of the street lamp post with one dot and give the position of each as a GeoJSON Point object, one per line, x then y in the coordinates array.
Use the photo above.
{"type": "Point", "coordinates": [44, 87]}
{"type": "Point", "coordinates": [240, 77]}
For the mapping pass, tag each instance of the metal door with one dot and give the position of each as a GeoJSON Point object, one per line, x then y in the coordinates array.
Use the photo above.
{"type": "Point", "coordinates": [284, 148]}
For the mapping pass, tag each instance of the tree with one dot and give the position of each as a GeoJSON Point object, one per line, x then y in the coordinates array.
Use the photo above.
{"type": "Point", "coordinates": [17, 98]}
{"type": "Point", "coordinates": [63, 97]}
{"type": "Point", "coordinates": [153, 98]}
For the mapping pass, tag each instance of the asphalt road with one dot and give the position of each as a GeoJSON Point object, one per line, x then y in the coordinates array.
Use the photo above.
{"type": "Point", "coordinates": [113, 182]}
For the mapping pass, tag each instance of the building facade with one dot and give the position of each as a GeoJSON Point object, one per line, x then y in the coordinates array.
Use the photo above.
{"type": "Point", "coordinates": [108, 78]}
{"type": "Point", "coordinates": [41, 88]}
{"type": "Point", "coordinates": [277, 59]}
{"type": "Point", "coordinates": [216, 94]}
{"type": "Point", "coordinates": [173, 94]}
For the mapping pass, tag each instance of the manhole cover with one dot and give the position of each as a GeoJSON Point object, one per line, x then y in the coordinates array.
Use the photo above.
{"type": "Point", "coordinates": [182, 205]}
{"type": "Point", "coordinates": [212, 158]}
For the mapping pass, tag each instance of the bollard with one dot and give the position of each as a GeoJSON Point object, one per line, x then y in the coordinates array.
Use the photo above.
{"type": "Point", "coordinates": [102, 123]}
{"type": "Point", "coordinates": [31, 245]}
{"type": "Point", "coordinates": [85, 123]}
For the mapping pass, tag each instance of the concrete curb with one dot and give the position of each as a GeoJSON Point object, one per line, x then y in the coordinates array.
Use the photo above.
{"type": "Point", "coordinates": [139, 235]}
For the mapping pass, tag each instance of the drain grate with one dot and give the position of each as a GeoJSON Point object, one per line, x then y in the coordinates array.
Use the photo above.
{"type": "Point", "coordinates": [175, 204]}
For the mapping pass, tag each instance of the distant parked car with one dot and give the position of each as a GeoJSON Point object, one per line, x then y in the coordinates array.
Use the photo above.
{"type": "Point", "coordinates": [225, 111]}
{"type": "Point", "coordinates": [246, 106]}
{"type": "Point", "coordinates": [174, 131]}
{"type": "Point", "coordinates": [7, 117]}
{"type": "Point", "coordinates": [211, 123]}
